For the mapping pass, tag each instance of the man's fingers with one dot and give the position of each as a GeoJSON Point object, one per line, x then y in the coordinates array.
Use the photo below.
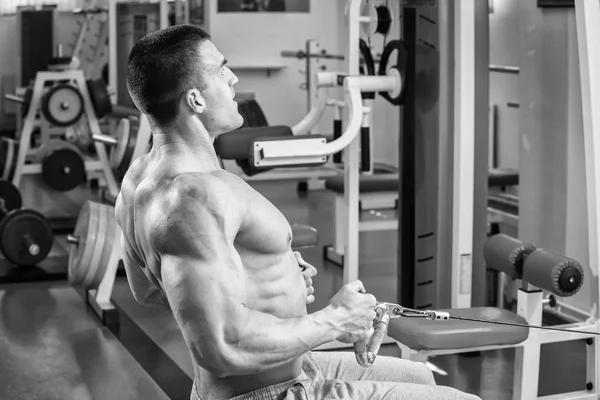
{"type": "Point", "coordinates": [310, 270]}
{"type": "Point", "coordinates": [306, 267]}
{"type": "Point", "coordinates": [309, 282]}
{"type": "Point", "coordinates": [310, 290]}
{"type": "Point", "coordinates": [357, 285]}
{"type": "Point", "coordinates": [310, 299]}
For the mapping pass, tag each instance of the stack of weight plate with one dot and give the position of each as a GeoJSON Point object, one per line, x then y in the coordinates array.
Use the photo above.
{"type": "Point", "coordinates": [91, 245]}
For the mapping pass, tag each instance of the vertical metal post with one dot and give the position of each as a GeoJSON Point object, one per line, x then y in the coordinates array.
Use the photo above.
{"type": "Point", "coordinates": [464, 153]}
{"type": "Point", "coordinates": [351, 155]}
{"type": "Point", "coordinates": [406, 171]}
{"type": "Point", "coordinates": [113, 76]}
{"type": "Point", "coordinates": [587, 13]}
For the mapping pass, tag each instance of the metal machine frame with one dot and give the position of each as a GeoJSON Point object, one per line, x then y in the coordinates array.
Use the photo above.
{"type": "Point", "coordinates": [531, 302]}
{"type": "Point", "coordinates": [437, 163]}
{"type": "Point", "coordinates": [432, 229]}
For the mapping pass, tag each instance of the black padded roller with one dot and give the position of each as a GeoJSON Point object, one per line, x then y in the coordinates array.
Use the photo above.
{"type": "Point", "coordinates": [553, 272]}
{"type": "Point", "coordinates": [507, 254]}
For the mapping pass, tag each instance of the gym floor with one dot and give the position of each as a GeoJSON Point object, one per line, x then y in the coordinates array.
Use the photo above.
{"type": "Point", "coordinates": [53, 347]}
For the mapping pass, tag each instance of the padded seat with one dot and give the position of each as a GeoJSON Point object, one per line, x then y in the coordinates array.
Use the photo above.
{"type": "Point", "coordinates": [503, 177]}
{"type": "Point", "coordinates": [367, 183]}
{"type": "Point", "coordinates": [422, 334]}
{"type": "Point", "coordinates": [304, 236]}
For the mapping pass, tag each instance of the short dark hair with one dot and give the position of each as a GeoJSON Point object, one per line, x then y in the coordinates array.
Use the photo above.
{"type": "Point", "coordinates": [161, 67]}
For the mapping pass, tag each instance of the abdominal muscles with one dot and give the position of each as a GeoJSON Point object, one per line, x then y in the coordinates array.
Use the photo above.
{"type": "Point", "coordinates": [277, 289]}
{"type": "Point", "coordinates": [274, 285]}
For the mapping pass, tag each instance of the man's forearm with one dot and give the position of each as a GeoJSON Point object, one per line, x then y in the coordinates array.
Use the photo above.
{"type": "Point", "coordinates": [266, 342]}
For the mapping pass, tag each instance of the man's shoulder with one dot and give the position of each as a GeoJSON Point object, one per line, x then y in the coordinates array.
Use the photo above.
{"type": "Point", "coordinates": [193, 206]}
{"type": "Point", "coordinates": [212, 186]}
{"type": "Point", "coordinates": [195, 193]}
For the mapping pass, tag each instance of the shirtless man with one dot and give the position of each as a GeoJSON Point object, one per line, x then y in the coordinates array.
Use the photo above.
{"type": "Point", "coordinates": [202, 243]}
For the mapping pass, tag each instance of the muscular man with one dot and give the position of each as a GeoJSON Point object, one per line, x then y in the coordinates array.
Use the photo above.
{"type": "Point", "coordinates": [201, 242]}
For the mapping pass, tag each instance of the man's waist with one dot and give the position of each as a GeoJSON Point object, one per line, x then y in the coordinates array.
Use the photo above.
{"type": "Point", "coordinates": [209, 386]}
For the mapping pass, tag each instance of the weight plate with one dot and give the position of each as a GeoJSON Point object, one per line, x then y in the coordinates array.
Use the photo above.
{"type": "Point", "coordinates": [62, 105]}
{"type": "Point", "coordinates": [103, 247]}
{"type": "Point", "coordinates": [63, 169]}
{"type": "Point", "coordinates": [80, 254]}
{"type": "Point", "coordinates": [9, 150]}
{"type": "Point", "coordinates": [91, 267]}
{"type": "Point", "coordinates": [99, 97]}
{"type": "Point", "coordinates": [134, 124]}
{"type": "Point", "coordinates": [25, 237]}
{"type": "Point", "coordinates": [10, 197]}
{"type": "Point", "coordinates": [122, 133]}
{"type": "Point", "coordinates": [400, 64]}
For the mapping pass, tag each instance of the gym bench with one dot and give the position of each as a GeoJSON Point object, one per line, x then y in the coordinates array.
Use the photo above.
{"type": "Point", "coordinates": [540, 270]}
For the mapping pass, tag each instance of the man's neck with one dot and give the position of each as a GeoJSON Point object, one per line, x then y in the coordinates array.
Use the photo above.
{"type": "Point", "coordinates": [188, 139]}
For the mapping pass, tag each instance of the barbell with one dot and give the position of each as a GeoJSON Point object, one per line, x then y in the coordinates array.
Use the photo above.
{"type": "Point", "coordinates": [26, 237]}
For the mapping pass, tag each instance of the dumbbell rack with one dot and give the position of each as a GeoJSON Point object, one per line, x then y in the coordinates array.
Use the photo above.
{"type": "Point", "coordinates": [101, 164]}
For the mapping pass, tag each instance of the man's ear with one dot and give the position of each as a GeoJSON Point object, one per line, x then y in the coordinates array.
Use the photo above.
{"type": "Point", "coordinates": [195, 101]}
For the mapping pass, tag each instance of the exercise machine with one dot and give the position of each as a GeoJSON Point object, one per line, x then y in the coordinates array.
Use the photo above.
{"type": "Point", "coordinates": [548, 279]}
{"type": "Point", "coordinates": [378, 191]}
